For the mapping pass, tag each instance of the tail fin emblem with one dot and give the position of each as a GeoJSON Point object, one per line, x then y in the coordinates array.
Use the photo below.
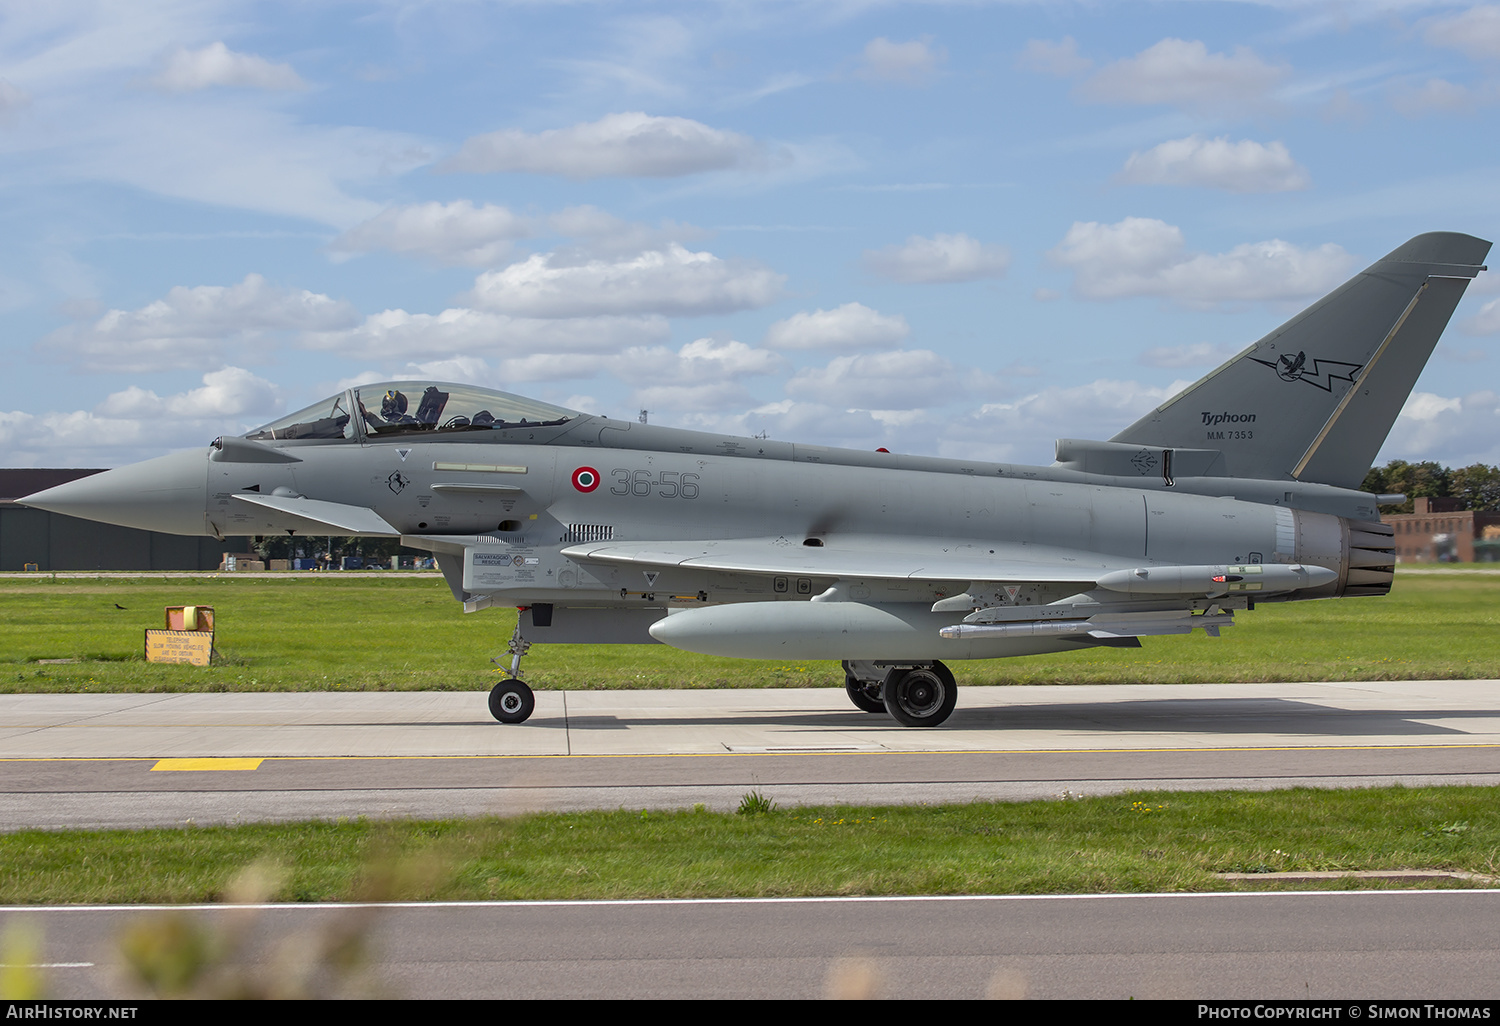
{"type": "Point", "coordinates": [1322, 374]}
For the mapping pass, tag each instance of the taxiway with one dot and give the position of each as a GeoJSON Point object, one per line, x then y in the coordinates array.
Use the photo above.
{"type": "Point", "coordinates": [127, 760]}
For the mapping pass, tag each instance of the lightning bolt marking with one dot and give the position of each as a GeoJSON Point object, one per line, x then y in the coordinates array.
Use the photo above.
{"type": "Point", "coordinates": [1312, 376]}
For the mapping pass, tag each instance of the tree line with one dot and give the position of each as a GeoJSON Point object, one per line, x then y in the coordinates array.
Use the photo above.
{"type": "Point", "coordinates": [1477, 485]}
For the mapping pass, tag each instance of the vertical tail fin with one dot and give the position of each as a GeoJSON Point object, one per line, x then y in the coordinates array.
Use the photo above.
{"type": "Point", "coordinates": [1315, 399]}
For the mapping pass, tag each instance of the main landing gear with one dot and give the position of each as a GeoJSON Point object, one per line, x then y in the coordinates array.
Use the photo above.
{"type": "Point", "coordinates": [915, 696]}
{"type": "Point", "coordinates": [511, 701]}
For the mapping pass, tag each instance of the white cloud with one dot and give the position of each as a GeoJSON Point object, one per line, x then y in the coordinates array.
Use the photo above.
{"type": "Point", "coordinates": [1456, 431]}
{"type": "Point", "coordinates": [897, 380]}
{"type": "Point", "coordinates": [195, 327]}
{"type": "Point", "coordinates": [397, 334]}
{"type": "Point", "coordinates": [461, 233]}
{"type": "Point", "coordinates": [230, 392]}
{"type": "Point", "coordinates": [508, 373]}
{"type": "Point", "coordinates": [35, 439]}
{"type": "Point", "coordinates": [704, 359]}
{"type": "Point", "coordinates": [1486, 321]}
{"type": "Point", "coordinates": [702, 376]}
{"type": "Point", "coordinates": [1060, 58]}
{"type": "Point", "coordinates": [695, 398]}
{"type": "Point", "coordinates": [244, 149]}
{"type": "Point", "coordinates": [1024, 431]}
{"type": "Point", "coordinates": [1021, 431]}
{"type": "Point", "coordinates": [216, 65]}
{"type": "Point", "coordinates": [901, 62]}
{"type": "Point", "coordinates": [851, 326]}
{"type": "Point", "coordinates": [1475, 32]}
{"type": "Point", "coordinates": [1183, 73]}
{"type": "Point", "coordinates": [942, 258]}
{"type": "Point", "coordinates": [1199, 354]}
{"type": "Point", "coordinates": [608, 235]}
{"type": "Point", "coordinates": [136, 423]}
{"type": "Point", "coordinates": [620, 145]}
{"type": "Point", "coordinates": [1436, 94]}
{"type": "Point", "coordinates": [231, 153]}
{"type": "Point", "coordinates": [671, 281]}
{"type": "Point", "coordinates": [545, 367]}
{"type": "Point", "coordinates": [790, 420]}
{"type": "Point", "coordinates": [1146, 257]}
{"type": "Point", "coordinates": [1244, 166]}
{"type": "Point", "coordinates": [451, 233]}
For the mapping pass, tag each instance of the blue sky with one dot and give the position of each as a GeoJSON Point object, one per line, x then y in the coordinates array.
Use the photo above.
{"type": "Point", "coordinates": [961, 229]}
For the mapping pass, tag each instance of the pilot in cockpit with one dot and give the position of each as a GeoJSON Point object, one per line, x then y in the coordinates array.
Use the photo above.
{"type": "Point", "coordinates": [393, 408]}
{"type": "Point", "coordinates": [395, 411]}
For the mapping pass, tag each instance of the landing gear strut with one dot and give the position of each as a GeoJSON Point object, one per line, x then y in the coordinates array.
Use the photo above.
{"type": "Point", "coordinates": [864, 696]}
{"type": "Point", "coordinates": [511, 701]}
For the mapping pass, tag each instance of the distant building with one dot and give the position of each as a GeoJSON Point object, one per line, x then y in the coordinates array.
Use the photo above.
{"type": "Point", "coordinates": [51, 541]}
{"type": "Point", "coordinates": [1442, 531]}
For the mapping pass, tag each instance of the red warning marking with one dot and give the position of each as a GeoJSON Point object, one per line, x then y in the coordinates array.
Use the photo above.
{"type": "Point", "coordinates": [585, 479]}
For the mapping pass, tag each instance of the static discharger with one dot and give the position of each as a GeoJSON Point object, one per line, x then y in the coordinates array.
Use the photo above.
{"type": "Point", "coordinates": [188, 637]}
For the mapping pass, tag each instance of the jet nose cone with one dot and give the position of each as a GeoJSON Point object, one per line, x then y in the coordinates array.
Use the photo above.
{"type": "Point", "coordinates": [167, 494]}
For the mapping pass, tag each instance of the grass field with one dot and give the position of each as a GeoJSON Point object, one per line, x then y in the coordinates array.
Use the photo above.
{"type": "Point", "coordinates": [318, 632]}
{"type": "Point", "coordinates": [1138, 842]}
{"type": "Point", "coordinates": [322, 632]}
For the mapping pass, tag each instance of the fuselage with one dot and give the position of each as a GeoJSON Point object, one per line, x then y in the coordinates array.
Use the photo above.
{"type": "Point", "coordinates": [545, 489]}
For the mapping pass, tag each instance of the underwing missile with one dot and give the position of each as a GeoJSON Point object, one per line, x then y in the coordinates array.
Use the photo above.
{"type": "Point", "coordinates": [1216, 580]}
{"type": "Point", "coordinates": [1103, 626]}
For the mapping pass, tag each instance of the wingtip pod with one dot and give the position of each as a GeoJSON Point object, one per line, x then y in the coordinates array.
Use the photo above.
{"type": "Point", "coordinates": [1314, 400]}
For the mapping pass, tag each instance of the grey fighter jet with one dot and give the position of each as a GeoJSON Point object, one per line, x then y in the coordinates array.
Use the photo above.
{"type": "Point", "coordinates": [1243, 488]}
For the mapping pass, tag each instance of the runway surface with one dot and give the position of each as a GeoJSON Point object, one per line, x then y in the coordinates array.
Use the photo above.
{"type": "Point", "coordinates": [1331, 947]}
{"type": "Point", "coordinates": [136, 760]}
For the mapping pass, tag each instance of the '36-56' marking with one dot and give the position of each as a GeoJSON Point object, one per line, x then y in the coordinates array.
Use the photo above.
{"type": "Point", "coordinates": [669, 484]}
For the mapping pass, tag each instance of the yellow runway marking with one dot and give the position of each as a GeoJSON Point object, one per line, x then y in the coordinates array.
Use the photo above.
{"type": "Point", "coordinates": [198, 765]}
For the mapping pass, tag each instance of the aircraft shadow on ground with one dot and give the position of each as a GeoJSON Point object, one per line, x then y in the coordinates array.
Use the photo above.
{"type": "Point", "coordinates": [1199, 715]}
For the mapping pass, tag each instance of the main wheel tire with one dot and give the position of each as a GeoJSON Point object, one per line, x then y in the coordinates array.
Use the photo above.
{"type": "Point", "coordinates": [511, 701]}
{"type": "Point", "coordinates": [922, 696]}
{"type": "Point", "coordinates": [864, 695]}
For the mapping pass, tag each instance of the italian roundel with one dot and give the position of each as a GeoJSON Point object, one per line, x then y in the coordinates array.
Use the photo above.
{"type": "Point", "coordinates": [585, 479]}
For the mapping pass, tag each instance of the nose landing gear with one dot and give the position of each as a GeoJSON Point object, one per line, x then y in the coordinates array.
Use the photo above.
{"type": "Point", "coordinates": [511, 701]}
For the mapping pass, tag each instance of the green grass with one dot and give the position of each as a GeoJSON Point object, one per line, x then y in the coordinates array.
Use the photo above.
{"type": "Point", "coordinates": [322, 633]}
{"type": "Point", "coordinates": [1142, 842]}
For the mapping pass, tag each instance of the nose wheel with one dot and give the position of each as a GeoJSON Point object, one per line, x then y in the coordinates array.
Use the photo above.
{"type": "Point", "coordinates": [511, 701]}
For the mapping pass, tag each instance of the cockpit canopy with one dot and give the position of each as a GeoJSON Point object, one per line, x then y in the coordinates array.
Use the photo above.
{"type": "Point", "coordinates": [402, 407]}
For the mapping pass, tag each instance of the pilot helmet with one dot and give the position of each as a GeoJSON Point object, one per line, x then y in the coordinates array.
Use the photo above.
{"type": "Point", "coordinates": [393, 405]}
